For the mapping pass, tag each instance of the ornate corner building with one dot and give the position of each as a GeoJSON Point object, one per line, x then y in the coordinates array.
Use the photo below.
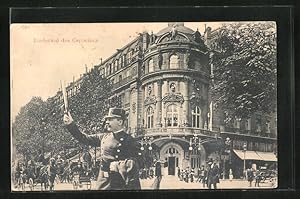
{"type": "Point", "coordinates": [163, 81]}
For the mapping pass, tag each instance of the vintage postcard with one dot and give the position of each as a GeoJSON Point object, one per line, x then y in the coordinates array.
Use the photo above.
{"type": "Point", "coordinates": [139, 106]}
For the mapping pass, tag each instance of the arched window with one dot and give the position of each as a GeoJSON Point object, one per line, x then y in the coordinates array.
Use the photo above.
{"type": "Point", "coordinates": [172, 115]}
{"type": "Point", "coordinates": [151, 66]}
{"type": "Point", "coordinates": [196, 117]}
{"type": "Point", "coordinates": [174, 61]}
{"type": "Point", "coordinates": [150, 114]}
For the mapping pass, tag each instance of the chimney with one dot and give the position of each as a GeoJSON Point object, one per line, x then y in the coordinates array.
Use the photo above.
{"type": "Point", "coordinates": [145, 41]}
{"type": "Point", "coordinates": [100, 61]}
{"type": "Point", "coordinates": [207, 35]}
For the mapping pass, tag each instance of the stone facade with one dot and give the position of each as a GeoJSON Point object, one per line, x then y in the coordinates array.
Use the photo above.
{"type": "Point", "coordinates": [163, 80]}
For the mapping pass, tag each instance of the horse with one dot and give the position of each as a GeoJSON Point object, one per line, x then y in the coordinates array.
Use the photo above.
{"type": "Point", "coordinates": [43, 177]}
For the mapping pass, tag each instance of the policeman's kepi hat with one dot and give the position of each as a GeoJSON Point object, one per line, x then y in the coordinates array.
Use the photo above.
{"type": "Point", "coordinates": [116, 113]}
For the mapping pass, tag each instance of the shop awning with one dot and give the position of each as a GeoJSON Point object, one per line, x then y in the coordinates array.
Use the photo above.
{"type": "Point", "coordinates": [249, 155]}
{"type": "Point", "coordinates": [267, 156]}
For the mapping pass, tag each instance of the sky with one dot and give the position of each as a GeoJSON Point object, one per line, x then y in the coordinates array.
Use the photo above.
{"type": "Point", "coordinates": [42, 55]}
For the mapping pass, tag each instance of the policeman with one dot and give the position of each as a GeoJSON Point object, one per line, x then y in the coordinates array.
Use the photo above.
{"type": "Point", "coordinates": [119, 152]}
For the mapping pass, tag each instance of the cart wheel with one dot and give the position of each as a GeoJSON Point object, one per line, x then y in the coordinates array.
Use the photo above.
{"type": "Point", "coordinates": [31, 185]}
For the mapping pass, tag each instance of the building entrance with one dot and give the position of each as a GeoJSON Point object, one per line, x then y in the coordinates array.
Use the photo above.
{"type": "Point", "coordinates": [171, 166]}
{"type": "Point", "coordinates": [172, 154]}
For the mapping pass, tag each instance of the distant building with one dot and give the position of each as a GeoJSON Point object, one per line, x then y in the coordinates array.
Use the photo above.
{"type": "Point", "coordinates": [163, 81]}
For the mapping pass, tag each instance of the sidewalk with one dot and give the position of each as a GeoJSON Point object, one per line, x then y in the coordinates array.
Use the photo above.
{"type": "Point", "coordinates": [172, 182]}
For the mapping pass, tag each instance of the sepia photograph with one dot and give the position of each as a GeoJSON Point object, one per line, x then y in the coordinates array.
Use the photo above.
{"type": "Point", "coordinates": [143, 106]}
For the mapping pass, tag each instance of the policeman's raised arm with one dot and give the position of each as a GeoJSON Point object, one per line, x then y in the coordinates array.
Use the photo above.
{"type": "Point", "coordinates": [93, 140]}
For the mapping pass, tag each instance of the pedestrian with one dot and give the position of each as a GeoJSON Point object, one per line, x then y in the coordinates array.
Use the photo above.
{"type": "Point", "coordinates": [250, 176]}
{"type": "Point", "coordinates": [187, 175]}
{"type": "Point", "coordinates": [257, 177]}
{"type": "Point", "coordinates": [192, 173]}
{"type": "Point", "coordinates": [178, 172]}
{"type": "Point", "coordinates": [151, 173]}
{"type": "Point", "coordinates": [205, 176]}
{"type": "Point", "coordinates": [181, 175]}
{"type": "Point", "coordinates": [87, 158]}
{"type": "Point", "coordinates": [213, 175]}
{"type": "Point", "coordinates": [78, 170]}
{"type": "Point", "coordinates": [158, 175]}
{"type": "Point", "coordinates": [52, 171]}
{"type": "Point", "coordinates": [200, 174]}
{"type": "Point", "coordinates": [119, 152]}
{"type": "Point", "coordinates": [230, 175]}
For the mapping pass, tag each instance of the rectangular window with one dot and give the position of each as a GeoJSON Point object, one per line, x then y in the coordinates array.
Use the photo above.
{"type": "Point", "coordinates": [148, 123]}
{"type": "Point", "coordinates": [169, 120]}
{"type": "Point", "coordinates": [258, 124]}
{"type": "Point", "coordinates": [238, 123]}
{"type": "Point", "coordinates": [128, 73]}
{"type": "Point", "coordinates": [248, 124]}
{"type": "Point", "coordinates": [194, 121]}
{"type": "Point", "coordinates": [151, 121]}
{"type": "Point", "coordinates": [268, 127]}
{"type": "Point", "coordinates": [175, 120]}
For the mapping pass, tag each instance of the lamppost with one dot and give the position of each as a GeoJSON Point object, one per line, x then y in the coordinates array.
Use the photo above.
{"type": "Point", "coordinates": [147, 142]}
{"type": "Point", "coordinates": [227, 150]}
{"type": "Point", "coordinates": [244, 150]}
{"type": "Point", "coordinates": [43, 135]}
{"type": "Point", "coordinates": [196, 142]}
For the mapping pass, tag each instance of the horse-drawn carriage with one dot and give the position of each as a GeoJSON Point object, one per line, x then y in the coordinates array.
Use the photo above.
{"type": "Point", "coordinates": [38, 176]}
{"type": "Point", "coordinates": [21, 180]}
{"type": "Point", "coordinates": [268, 176]}
{"type": "Point", "coordinates": [81, 176]}
{"type": "Point", "coordinates": [80, 180]}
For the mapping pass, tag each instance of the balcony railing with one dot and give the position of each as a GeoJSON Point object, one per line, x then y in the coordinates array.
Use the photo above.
{"type": "Point", "coordinates": [180, 131]}
{"type": "Point", "coordinates": [122, 82]}
{"type": "Point", "coordinates": [249, 132]}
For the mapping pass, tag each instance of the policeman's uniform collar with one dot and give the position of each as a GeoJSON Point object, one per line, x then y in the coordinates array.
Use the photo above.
{"type": "Point", "coordinates": [119, 131]}
{"type": "Point", "coordinates": [119, 135]}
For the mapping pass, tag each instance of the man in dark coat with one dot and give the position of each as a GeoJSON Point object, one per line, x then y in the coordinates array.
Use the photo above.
{"type": "Point", "coordinates": [213, 175]}
{"type": "Point", "coordinates": [52, 171]}
{"type": "Point", "coordinates": [158, 175]}
{"type": "Point", "coordinates": [119, 152]}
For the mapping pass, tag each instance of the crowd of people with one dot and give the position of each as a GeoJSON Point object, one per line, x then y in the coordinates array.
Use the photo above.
{"type": "Point", "coordinates": [260, 175]}
{"type": "Point", "coordinates": [208, 176]}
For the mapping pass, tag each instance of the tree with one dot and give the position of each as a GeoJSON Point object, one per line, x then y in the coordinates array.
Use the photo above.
{"type": "Point", "coordinates": [39, 125]}
{"type": "Point", "coordinates": [89, 106]}
{"type": "Point", "coordinates": [27, 128]}
{"type": "Point", "coordinates": [245, 69]}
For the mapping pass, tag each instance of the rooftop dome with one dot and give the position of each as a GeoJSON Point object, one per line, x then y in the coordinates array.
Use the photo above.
{"type": "Point", "coordinates": [179, 27]}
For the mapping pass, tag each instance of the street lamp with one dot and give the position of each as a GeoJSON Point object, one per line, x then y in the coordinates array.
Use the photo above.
{"type": "Point", "coordinates": [146, 141]}
{"type": "Point", "coordinates": [196, 142]}
{"type": "Point", "coordinates": [244, 150]}
{"type": "Point", "coordinates": [43, 129]}
{"type": "Point", "coordinates": [226, 151]}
